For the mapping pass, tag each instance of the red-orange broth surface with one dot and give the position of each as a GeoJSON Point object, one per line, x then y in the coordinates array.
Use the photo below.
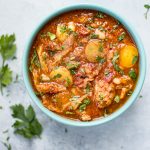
{"type": "Point", "coordinates": [83, 65]}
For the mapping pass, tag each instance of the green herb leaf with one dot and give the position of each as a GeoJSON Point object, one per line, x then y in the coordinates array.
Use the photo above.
{"type": "Point", "coordinates": [63, 29]}
{"type": "Point", "coordinates": [93, 36]}
{"type": "Point", "coordinates": [57, 76]}
{"type": "Point", "coordinates": [72, 65]}
{"type": "Point", "coordinates": [122, 36]}
{"type": "Point", "coordinates": [7, 51]}
{"type": "Point", "coordinates": [132, 74]}
{"type": "Point", "coordinates": [100, 59]}
{"type": "Point", "coordinates": [5, 77]}
{"type": "Point", "coordinates": [27, 124]}
{"type": "Point", "coordinates": [73, 71]}
{"type": "Point", "coordinates": [87, 101]}
{"type": "Point", "coordinates": [7, 46]}
{"type": "Point", "coordinates": [117, 99]}
{"type": "Point", "coordinates": [68, 81]}
{"type": "Point", "coordinates": [101, 96]}
{"type": "Point", "coordinates": [89, 27]}
{"type": "Point", "coordinates": [34, 61]}
{"type": "Point", "coordinates": [135, 58]}
{"type": "Point", "coordinates": [51, 36]}
{"type": "Point", "coordinates": [83, 106]}
{"type": "Point", "coordinates": [116, 66]}
{"type": "Point", "coordinates": [87, 88]}
{"type": "Point", "coordinates": [99, 15]}
{"type": "Point", "coordinates": [101, 48]}
{"type": "Point", "coordinates": [147, 6]}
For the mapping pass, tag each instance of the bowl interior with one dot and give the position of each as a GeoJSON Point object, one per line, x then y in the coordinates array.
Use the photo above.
{"type": "Point", "coordinates": [132, 98]}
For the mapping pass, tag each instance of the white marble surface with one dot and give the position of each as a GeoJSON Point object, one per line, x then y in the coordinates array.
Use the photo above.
{"type": "Point", "coordinates": [131, 131]}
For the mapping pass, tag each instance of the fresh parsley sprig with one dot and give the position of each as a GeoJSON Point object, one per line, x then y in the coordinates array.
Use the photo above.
{"type": "Point", "coordinates": [26, 124]}
{"type": "Point", "coordinates": [7, 51]}
{"type": "Point", "coordinates": [148, 8]}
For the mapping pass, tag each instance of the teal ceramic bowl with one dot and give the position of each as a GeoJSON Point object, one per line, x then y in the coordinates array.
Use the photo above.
{"type": "Point", "coordinates": [142, 66]}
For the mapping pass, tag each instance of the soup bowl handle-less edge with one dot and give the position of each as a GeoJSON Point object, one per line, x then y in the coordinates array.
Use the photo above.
{"type": "Point", "coordinates": [132, 98]}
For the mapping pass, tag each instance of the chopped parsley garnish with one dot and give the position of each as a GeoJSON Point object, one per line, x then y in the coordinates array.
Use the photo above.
{"type": "Point", "coordinates": [48, 34]}
{"type": "Point", "coordinates": [122, 36]}
{"type": "Point", "coordinates": [62, 47]}
{"type": "Point", "coordinates": [101, 96]}
{"type": "Point", "coordinates": [89, 27]}
{"type": "Point", "coordinates": [99, 15]}
{"type": "Point", "coordinates": [35, 60]}
{"type": "Point", "coordinates": [57, 76]}
{"type": "Point", "coordinates": [68, 82]}
{"type": "Point", "coordinates": [101, 48]}
{"type": "Point", "coordinates": [135, 58]}
{"type": "Point", "coordinates": [116, 66]}
{"type": "Point", "coordinates": [132, 74]}
{"type": "Point", "coordinates": [26, 124]}
{"type": "Point", "coordinates": [100, 59]}
{"type": "Point", "coordinates": [87, 88]}
{"type": "Point", "coordinates": [73, 71]}
{"type": "Point", "coordinates": [63, 29]}
{"type": "Point", "coordinates": [72, 66]}
{"type": "Point", "coordinates": [117, 99]}
{"type": "Point", "coordinates": [147, 6]}
{"type": "Point", "coordinates": [51, 36]}
{"type": "Point", "coordinates": [93, 36]}
{"type": "Point", "coordinates": [7, 51]}
{"type": "Point", "coordinates": [83, 106]}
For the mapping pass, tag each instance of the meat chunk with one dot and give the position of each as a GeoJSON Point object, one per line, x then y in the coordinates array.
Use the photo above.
{"type": "Point", "coordinates": [86, 73]}
{"type": "Point", "coordinates": [124, 84]}
{"type": "Point", "coordinates": [68, 43]}
{"type": "Point", "coordinates": [48, 104]}
{"type": "Point", "coordinates": [82, 30]}
{"type": "Point", "coordinates": [103, 93]}
{"type": "Point", "coordinates": [46, 87]}
{"type": "Point", "coordinates": [50, 87]}
{"type": "Point", "coordinates": [74, 102]}
{"type": "Point", "coordinates": [84, 116]}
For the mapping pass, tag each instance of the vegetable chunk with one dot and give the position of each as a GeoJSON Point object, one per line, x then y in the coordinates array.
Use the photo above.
{"type": "Point", "coordinates": [92, 50]}
{"type": "Point", "coordinates": [61, 32]}
{"type": "Point", "coordinates": [61, 75]}
{"type": "Point", "coordinates": [128, 56]}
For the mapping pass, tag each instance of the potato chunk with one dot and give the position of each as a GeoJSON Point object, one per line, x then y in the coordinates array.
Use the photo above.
{"type": "Point", "coordinates": [61, 75]}
{"type": "Point", "coordinates": [128, 56]}
{"type": "Point", "coordinates": [93, 51]}
{"type": "Point", "coordinates": [61, 32]}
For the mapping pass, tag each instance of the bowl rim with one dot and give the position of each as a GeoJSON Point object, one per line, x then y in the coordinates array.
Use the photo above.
{"type": "Point", "coordinates": [142, 66]}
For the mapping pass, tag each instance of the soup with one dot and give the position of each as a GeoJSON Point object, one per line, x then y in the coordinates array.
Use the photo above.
{"type": "Point", "coordinates": [83, 65]}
